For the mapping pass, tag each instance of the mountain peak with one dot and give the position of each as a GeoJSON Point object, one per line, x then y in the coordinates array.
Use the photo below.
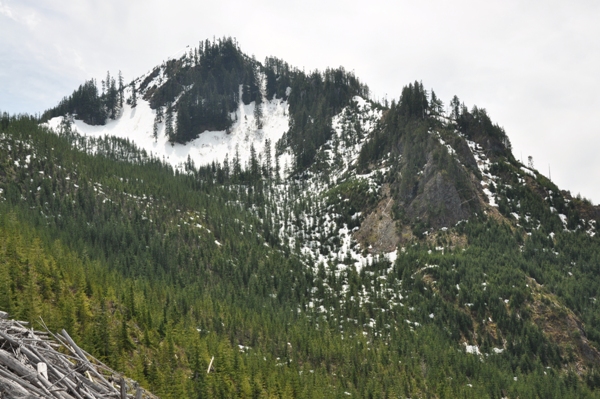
{"type": "Point", "coordinates": [225, 227]}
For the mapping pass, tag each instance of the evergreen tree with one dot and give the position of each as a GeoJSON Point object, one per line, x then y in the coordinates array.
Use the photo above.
{"type": "Point", "coordinates": [268, 167]}
{"type": "Point", "coordinates": [125, 342]}
{"type": "Point", "coordinates": [436, 105]}
{"type": "Point", "coordinates": [258, 114]}
{"type": "Point", "coordinates": [155, 130]}
{"type": "Point", "coordinates": [133, 95]}
{"type": "Point", "coordinates": [413, 101]}
{"type": "Point", "coordinates": [237, 166]}
{"type": "Point", "coordinates": [121, 88]}
{"type": "Point", "coordinates": [169, 128]}
{"type": "Point", "coordinates": [254, 163]}
{"type": "Point", "coordinates": [455, 108]}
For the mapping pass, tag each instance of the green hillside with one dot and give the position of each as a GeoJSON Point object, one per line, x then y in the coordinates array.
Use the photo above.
{"type": "Point", "coordinates": [491, 294]}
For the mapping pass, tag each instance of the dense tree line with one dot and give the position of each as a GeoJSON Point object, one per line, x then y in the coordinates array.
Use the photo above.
{"type": "Point", "coordinates": [209, 88]}
{"type": "Point", "coordinates": [315, 98]}
{"type": "Point", "coordinates": [89, 104]}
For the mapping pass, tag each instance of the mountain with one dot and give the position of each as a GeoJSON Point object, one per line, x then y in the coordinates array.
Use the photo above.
{"type": "Point", "coordinates": [222, 227]}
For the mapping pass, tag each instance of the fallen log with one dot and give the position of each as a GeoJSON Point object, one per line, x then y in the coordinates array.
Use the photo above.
{"type": "Point", "coordinates": [32, 366]}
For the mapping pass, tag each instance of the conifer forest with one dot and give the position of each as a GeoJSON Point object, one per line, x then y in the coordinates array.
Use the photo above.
{"type": "Point", "coordinates": [370, 250]}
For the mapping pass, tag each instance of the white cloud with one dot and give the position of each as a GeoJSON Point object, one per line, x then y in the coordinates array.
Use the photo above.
{"type": "Point", "coordinates": [26, 17]}
{"type": "Point", "coordinates": [31, 20]}
{"type": "Point", "coordinates": [6, 11]}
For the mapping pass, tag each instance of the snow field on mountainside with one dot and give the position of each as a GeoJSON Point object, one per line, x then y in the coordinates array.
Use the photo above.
{"type": "Point", "coordinates": [136, 125]}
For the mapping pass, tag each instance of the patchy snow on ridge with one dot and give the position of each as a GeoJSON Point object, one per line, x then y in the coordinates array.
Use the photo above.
{"type": "Point", "coordinates": [318, 229]}
{"type": "Point", "coordinates": [483, 164]}
{"type": "Point", "coordinates": [343, 149]}
{"type": "Point", "coordinates": [528, 171]}
{"type": "Point", "coordinates": [136, 124]}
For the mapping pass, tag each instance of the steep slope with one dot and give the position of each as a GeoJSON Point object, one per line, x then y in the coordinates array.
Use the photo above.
{"type": "Point", "coordinates": [217, 103]}
{"type": "Point", "coordinates": [237, 142]}
{"type": "Point", "coordinates": [364, 249]}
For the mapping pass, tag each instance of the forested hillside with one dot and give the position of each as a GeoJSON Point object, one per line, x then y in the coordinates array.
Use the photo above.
{"type": "Point", "coordinates": [404, 252]}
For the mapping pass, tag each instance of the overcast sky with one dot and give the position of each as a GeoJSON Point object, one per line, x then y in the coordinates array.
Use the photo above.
{"type": "Point", "coordinates": [534, 65]}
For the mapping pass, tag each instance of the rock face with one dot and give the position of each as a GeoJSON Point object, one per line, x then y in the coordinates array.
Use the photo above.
{"type": "Point", "coordinates": [439, 203]}
{"type": "Point", "coordinates": [443, 193]}
{"type": "Point", "coordinates": [463, 153]}
{"type": "Point", "coordinates": [378, 232]}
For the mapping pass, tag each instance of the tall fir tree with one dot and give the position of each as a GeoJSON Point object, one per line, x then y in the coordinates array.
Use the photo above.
{"type": "Point", "coordinates": [133, 95]}
{"type": "Point", "coordinates": [169, 128]}
{"type": "Point", "coordinates": [120, 89]}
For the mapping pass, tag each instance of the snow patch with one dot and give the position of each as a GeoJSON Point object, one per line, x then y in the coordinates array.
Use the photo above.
{"type": "Point", "coordinates": [528, 171]}
{"type": "Point", "coordinates": [472, 349]}
{"type": "Point", "coordinates": [136, 124]}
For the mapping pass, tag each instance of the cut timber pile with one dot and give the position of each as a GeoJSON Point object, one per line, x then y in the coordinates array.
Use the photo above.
{"type": "Point", "coordinates": [32, 365]}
